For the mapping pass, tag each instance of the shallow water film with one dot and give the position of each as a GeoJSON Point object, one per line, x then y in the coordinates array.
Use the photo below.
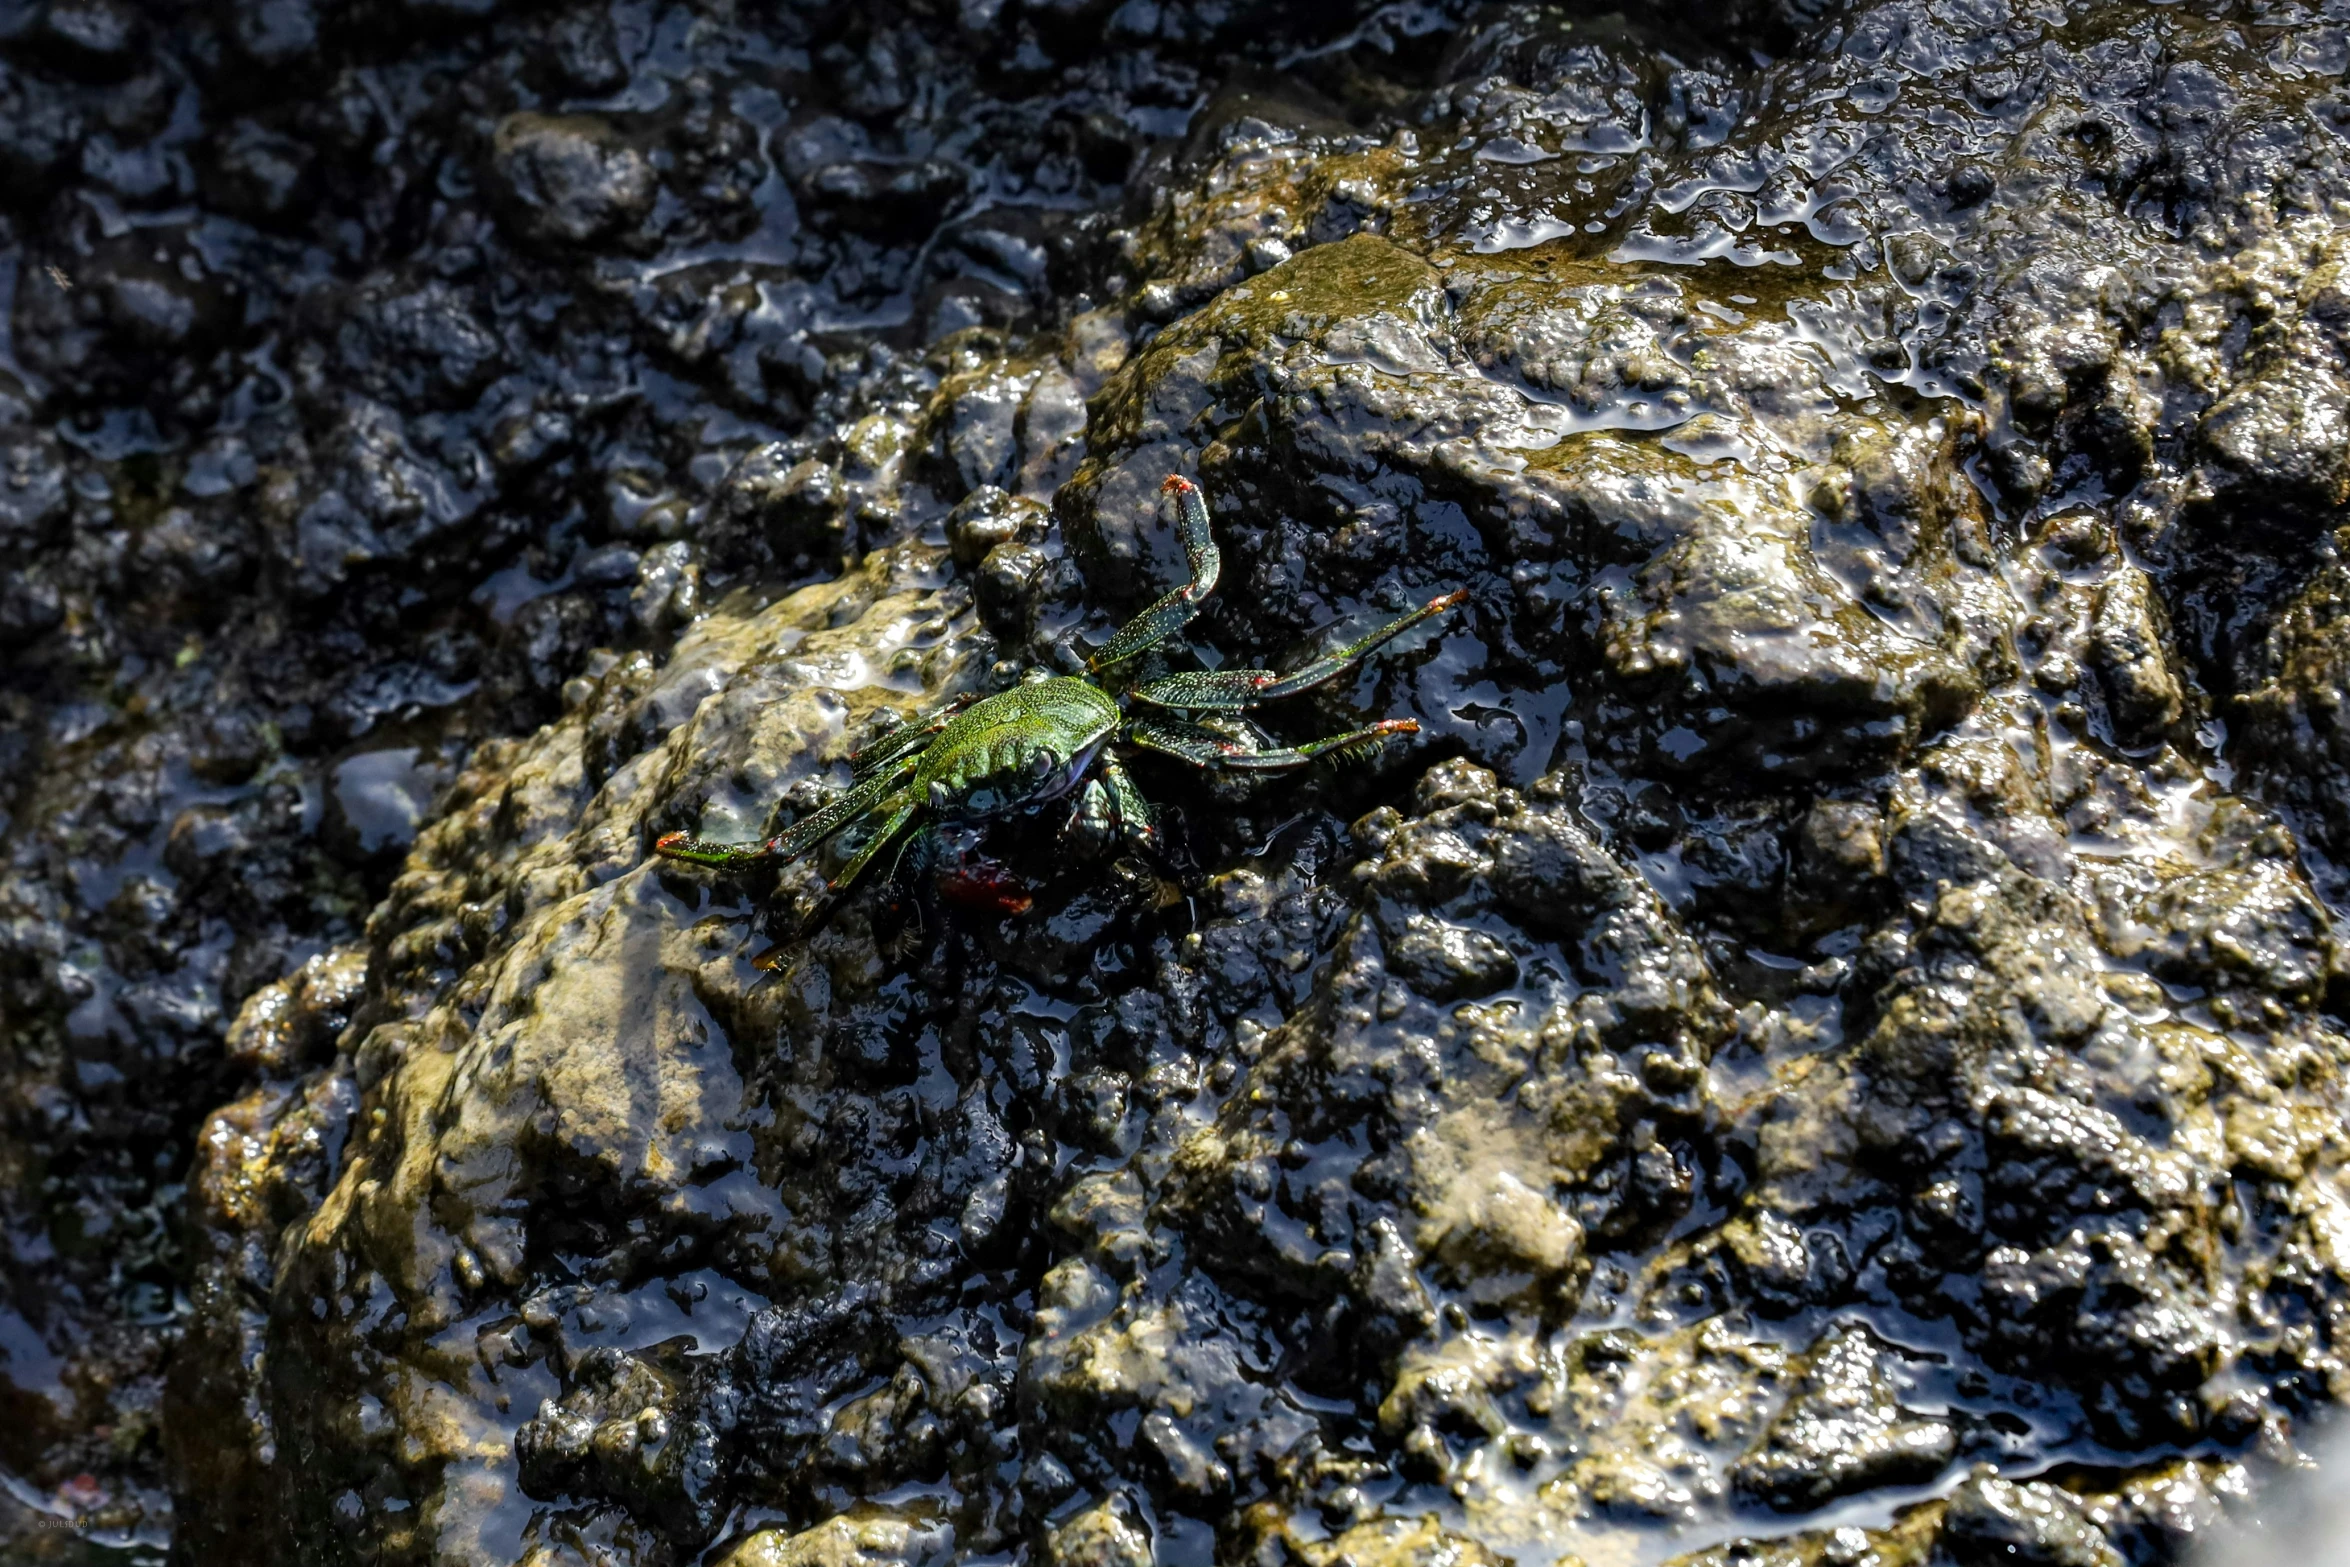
{"type": "Point", "coordinates": [1827, 1045]}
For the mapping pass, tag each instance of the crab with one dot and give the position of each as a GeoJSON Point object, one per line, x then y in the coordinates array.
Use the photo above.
{"type": "Point", "coordinates": [1054, 736]}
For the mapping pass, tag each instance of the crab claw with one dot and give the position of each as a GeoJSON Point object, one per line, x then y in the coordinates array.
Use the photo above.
{"type": "Point", "coordinates": [1444, 601]}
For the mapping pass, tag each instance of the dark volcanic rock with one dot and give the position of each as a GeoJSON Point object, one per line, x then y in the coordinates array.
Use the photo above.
{"type": "Point", "coordinates": [1841, 1431]}
{"type": "Point", "coordinates": [1837, 1003]}
{"type": "Point", "coordinates": [571, 179]}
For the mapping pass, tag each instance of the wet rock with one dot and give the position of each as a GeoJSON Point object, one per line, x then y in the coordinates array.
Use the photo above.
{"type": "Point", "coordinates": [41, 127]}
{"type": "Point", "coordinates": [1718, 633]}
{"type": "Point", "coordinates": [1841, 1431]}
{"type": "Point", "coordinates": [613, 1434]}
{"type": "Point", "coordinates": [1472, 1212]}
{"type": "Point", "coordinates": [95, 39]}
{"type": "Point", "coordinates": [132, 299]}
{"type": "Point", "coordinates": [980, 435]}
{"type": "Point", "coordinates": [2061, 1288]}
{"type": "Point", "coordinates": [659, 1442]}
{"type": "Point", "coordinates": [1815, 931]}
{"type": "Point", "coordinates": [2293, 736]}
{"type": "Point", "coordinates": [2288, 437]}
{"type": "Point", "coordinates": [294, 1021]}
{"type": "Point", "coordinates": [274, 32]}
{"type": "Point", "coordinates": [2144, 694]}
{"type": "Point", "coordinates": [570, 179]}
{"type": "Point", "coordinates": [32, 493]}
{"type": "Point", "coordinates": [1106, 1534]}
{"type": "Point", "coordinates": [1992, 1520]}
{"type": "Point", "coordinates": [261, 1161]}
{"type": "Point", "coordinates": [774, 509]}
{"type": "Point", "coordinates": [1393, 1542]}
{"type": "Point", "coordinates": [585, 53]}
{"type": "Point", "coordinates": [879, 1541]}
{"type": "Point", "coordinates": [30, 607]}
{"type": "Point", "coordinates": [1448, 962]}
{"type": "Point", "coordinates": [422, 347]}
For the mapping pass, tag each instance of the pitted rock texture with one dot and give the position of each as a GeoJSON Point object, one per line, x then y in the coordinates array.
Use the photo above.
{"type": "Point", "coordinates": [1825, 1046]}
{"type": "Point", "coordinates": [375, 378]}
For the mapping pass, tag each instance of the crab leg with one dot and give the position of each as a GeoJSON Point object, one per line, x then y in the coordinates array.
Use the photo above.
{"type": "Point", "coordinates": [801, 836]}
{"type": "Point", "coordinates": [902, 810]}
{"type": "Point", "coordinates": [906, 737]}
{"type": "Point", "coordinates": [1136, 818]}
{"type": "Point", "coordinates": [723, 856]}
{"type": "Point", "coordinates": [1205, 748]}
{"type": "Point", "coordinates": [1239, 688]}
{"type": "Point", "coordinates": [1172, 613]}
{"type": "Point", "coordinates": [894, 824]}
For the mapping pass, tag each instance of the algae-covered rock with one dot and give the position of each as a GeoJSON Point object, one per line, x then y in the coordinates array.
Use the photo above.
{"type": "Point", "coordinates": [879, 1541]}
{"type": "Point", "coordinates": [1480, 418]}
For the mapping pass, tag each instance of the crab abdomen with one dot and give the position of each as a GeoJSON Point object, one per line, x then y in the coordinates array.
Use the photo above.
{"type": "Point", "coordinates": [1015, 750]}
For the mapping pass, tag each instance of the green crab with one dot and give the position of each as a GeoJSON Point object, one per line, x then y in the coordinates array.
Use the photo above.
{"type": "Point", "coordinates": [1021, 750]}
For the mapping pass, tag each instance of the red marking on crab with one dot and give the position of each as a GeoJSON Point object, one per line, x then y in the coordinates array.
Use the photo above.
{"type": "Point", "coordinates": [1176, 484]}
{"type": "Point", "coordinates": [667, 841]}
{"type": "Point", "coordinates": [984, 887]}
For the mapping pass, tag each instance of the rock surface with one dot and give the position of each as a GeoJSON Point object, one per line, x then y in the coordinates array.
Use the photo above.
{"type": "Point", "coordinates": [1826, 1047]}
